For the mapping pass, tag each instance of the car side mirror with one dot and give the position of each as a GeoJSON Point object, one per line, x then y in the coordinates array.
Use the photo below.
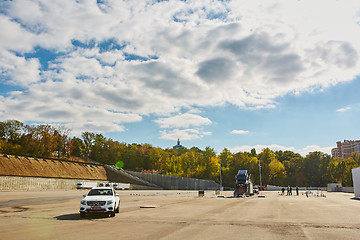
{"type": "Point", "coordinates": [117, 195]}
{"type": "Point", "coordinates": [84, 195]}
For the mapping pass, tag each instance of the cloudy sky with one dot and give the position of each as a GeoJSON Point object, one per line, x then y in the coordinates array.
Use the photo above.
{"type": "Point", "coordinates": [235, 74]}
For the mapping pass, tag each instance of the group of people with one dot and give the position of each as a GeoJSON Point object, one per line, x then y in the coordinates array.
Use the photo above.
{"type": "Point", "coordinates": [289, 191]}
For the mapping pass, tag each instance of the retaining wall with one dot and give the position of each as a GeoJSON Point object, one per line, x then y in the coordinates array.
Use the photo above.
{"type": "Point", "coordinates": [37, 183]}
{"type": "Point", "coordinates": [28, 173]}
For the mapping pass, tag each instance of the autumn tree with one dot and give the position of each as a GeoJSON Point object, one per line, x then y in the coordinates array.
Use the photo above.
{"type": "Point", "coordinates": [265, 158]}
{"type": "Point", "coordinates": [340, 169]}
{"type": "Point", "coordinates": [277, 173]}
{"type": "Point", "coordinates": [10, 136]}
{"type": "Point", "coordinates": [225, 158]}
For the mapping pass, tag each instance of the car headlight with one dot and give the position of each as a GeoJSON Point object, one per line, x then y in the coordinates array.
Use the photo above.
{"type": "Point", "coordinates": [83, 202]}
{"type": "Point", "coordinates": [109, 202]}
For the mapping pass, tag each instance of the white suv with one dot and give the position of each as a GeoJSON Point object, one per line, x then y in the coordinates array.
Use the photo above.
{"type": "Point", "coordinates": [100, 200]}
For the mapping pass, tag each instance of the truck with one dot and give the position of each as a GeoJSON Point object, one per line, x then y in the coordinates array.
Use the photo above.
{"type": "Point", "coordinates": [243, 184]}
{"type": "Point", "coordinates": [86, 185]}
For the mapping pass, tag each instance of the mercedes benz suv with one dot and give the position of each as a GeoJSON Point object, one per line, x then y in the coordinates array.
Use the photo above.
{"type": "Point", "coordinates": [100, 200]}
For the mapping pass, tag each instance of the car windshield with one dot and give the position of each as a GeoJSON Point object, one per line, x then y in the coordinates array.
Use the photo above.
{"type": "Point", "coordinates": [94, 192]}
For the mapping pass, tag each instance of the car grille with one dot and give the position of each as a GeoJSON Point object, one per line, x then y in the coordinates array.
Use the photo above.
{"type": "Point", "coordinates": [96, 203]}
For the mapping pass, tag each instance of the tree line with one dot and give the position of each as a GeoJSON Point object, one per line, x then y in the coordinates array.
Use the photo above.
{"type": "Point", "coordinates": [277, 167]}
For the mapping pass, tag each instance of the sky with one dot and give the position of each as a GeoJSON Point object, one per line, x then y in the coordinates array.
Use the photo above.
{"type": "Point", "coordinates": [220, 74]}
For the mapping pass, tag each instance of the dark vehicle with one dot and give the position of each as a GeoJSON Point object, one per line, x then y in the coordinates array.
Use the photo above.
{"type": "Point", "coordinates": [244, 185]}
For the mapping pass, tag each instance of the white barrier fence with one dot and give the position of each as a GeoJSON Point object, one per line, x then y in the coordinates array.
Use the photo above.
{"type": "Point", "coordinates": [278, 188]}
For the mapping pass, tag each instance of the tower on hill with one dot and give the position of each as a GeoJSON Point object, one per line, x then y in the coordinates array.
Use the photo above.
{"type": "Point", "coordinates": [178, 145]}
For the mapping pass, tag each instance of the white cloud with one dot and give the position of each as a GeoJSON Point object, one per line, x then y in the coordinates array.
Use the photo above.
{"type": "Point", "coordinates": [91, 126]}
{"type": "Point", "coordinates": [343, 109]}
{"type": "Point", "coordinates": [171, 56]}
{"type": "Point", "coordinates": [313, 148]}
{"type": "Point", "coordinates": [183, 134]}
{"type": "Point", "coordinates": [260, 148]}
{"type": "Point", "coordinates": [240, 132]}
{"type": "Point", "coordinates": [183, 121]}
{"type": "Point", "coordinates": [274, 147]}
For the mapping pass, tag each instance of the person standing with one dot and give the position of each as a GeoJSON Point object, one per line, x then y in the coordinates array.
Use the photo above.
{"type": "Point", "coordinates": [283, 191]}
{"type": "Point", "coordinates": [290, 190]}
{"type": "Point", "coordinates": [297, 190]}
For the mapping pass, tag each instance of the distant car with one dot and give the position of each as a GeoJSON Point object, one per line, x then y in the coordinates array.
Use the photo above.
{"type": "Point", "coordinates": [256, 189]}
{"type": "Point", "coordinates": [100, 200]}
{"type": "Point", "coordinates": [86, 185]}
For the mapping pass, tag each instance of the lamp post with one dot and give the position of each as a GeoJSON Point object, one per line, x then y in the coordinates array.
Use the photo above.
{"type": "Point", "coordinates": [221, 177]}
{"type": "Point", "coordinates": [261, 196]}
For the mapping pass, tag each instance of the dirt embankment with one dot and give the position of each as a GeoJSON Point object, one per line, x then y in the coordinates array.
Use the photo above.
{"type": "Point", "coordinates": [37, 167]}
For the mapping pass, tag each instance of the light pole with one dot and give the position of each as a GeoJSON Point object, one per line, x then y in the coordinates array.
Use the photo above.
{"type": "Point", "coordinates": [221, 178]}
{"type": "Point", "coordinates": [261, 196]}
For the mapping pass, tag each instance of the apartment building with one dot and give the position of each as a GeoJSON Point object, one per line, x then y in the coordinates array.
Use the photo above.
{"type": "Point", "coordinates": [344, 149]}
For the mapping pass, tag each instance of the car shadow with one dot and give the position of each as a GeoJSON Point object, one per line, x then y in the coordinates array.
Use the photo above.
{"type": "Point", "coordinates": [76, 216]}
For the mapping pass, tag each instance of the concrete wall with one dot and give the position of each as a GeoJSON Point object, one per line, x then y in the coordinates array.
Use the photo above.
{"type": "Point", "coordinates": [334, 187]}
{"type": "Point", "coordinates": [348, 189]}
{"type": "Point", "coordinates": [177, 183]}
{"type": "Point", "coordinates": [37, 183]}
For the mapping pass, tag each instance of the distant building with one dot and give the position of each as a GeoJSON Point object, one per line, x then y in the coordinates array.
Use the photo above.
{"type": "Point", "coordinates": [178, 145]}
{"type": "Point", "coordinates": [344, 149]}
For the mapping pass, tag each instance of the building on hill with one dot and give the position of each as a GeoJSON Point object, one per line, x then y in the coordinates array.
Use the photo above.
{"type": "Point", "coordinates": [178, 145]}
{"type": "Point", "coordinates": [345, 149]}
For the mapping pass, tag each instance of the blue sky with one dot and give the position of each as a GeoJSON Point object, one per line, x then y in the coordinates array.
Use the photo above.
{"type": "Point", "coordinates": [235, 74]}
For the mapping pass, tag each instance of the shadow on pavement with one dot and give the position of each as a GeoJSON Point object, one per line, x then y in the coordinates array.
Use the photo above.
{"type": "Point", "coordinates": [76, 216]}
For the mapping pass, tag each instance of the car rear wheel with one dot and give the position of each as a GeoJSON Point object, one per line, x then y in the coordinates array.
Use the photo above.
{"type": "Point", "coordinates": [117, 210]}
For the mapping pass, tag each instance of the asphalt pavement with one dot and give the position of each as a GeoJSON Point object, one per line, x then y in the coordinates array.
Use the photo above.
{"type": "Point", "coordinates": [181, 215]}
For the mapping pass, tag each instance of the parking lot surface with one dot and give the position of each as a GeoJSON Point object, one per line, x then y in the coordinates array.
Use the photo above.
{"type": "Point", "coordinates": [181, 215]}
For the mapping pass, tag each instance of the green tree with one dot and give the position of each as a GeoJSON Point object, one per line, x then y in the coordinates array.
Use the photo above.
{"type": "Point", "coordinates": [97, 148]}
{"type": "Point", "coordinates": [225, 161]}
{"type": "Point", "coordinates": [11, 131]}
{"type": "Point", "coordinates": [88, 140]}
{"type": "Point", "coordinates": [316, 169]}
{"type": "Point", "coordinates": [265, 158]}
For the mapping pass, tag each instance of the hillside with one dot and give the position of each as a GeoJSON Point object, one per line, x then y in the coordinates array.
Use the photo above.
{"type": "Point", "coordinates": [37, 167]}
